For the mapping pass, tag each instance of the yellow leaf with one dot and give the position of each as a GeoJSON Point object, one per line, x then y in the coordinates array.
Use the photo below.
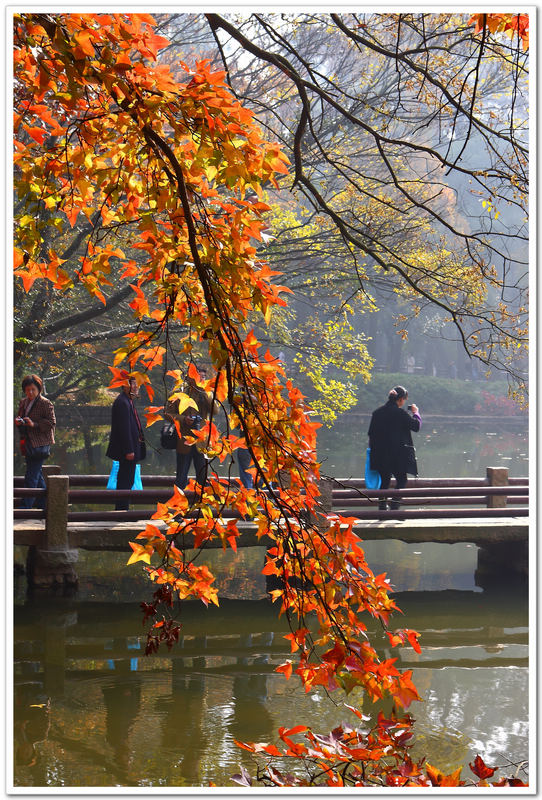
{"type": "Point", "coordinates": [185, 401]}
{"type": "Point", "coordinates": [211, 172]}
{"type": "Point", "coordinates": [140, 553]}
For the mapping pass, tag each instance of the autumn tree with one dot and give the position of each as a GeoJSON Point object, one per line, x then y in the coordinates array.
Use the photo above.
{"type": "Point", "coordinates": [175, 168]}
{"type": "Point", "coordinates": [408, 137]}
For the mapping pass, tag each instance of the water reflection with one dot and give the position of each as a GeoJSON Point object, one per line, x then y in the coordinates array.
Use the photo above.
{"type": "Point", "coordinates": [431, 566]}
{"type": "Point", "coordinates": [173, 731]}
{"type": "Point", "coordinates": [491, 704]}
{"type": "Point", "coordinates": [181, 725]}
{"type": "Point", "coordinates": [113, 717]}
{"type": "Point", "coordinates": [251, 720]}
{"type": "Point", "coordinates": [32, 723]}
{"type": "Point", "coordinates": [410, 567]}
{"type": "Point", "coordinates": [122, 700]}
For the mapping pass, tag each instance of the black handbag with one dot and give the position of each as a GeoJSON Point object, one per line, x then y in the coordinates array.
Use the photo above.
{"type": "Point", "coordinates": [169, 436]}
{"type": "Point", "coordinates": [39, 453]}
{"type": "Point", "coordinates": [411, 467]}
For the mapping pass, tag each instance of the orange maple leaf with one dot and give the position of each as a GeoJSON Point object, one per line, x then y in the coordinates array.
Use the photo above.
{"type": "Point", "coordinates": [286, 669]}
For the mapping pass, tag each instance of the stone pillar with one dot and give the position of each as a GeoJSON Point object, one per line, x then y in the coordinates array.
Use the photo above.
{"type": "Point", "coordinates": [50, 469]}
{"type": "Point", "coordinates": [54, 563]}
{"type": "Point", "coordinates": [323, 505]}
{"type": "Point", "coordinates": [325, 501]}
{"type": "Point", "coordinates": [497, 476]}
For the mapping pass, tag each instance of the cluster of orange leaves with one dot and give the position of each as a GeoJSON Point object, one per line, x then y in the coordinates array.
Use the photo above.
{"type": "Point", "coordinates": [89, 111]}
{"type": "Point", "coordinates": [178, 163]}
{"type": "Point", "coordinates": [350, 756]}
{"type": "Point", "coordinates": [514, 25]}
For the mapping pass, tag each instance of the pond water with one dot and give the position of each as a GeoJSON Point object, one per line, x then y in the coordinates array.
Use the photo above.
{"type": "Point", "coordinates": [92, 710]}
{"type": "Point", "coordinates": [445, 448]}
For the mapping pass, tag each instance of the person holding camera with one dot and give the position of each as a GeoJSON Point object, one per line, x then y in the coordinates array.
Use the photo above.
{"type": "Point", "coordinates": [390, 440]}
{"type": "Point", "coordinates": [189, 421]}
{"type": "Point", "coordinates": [36, 424]}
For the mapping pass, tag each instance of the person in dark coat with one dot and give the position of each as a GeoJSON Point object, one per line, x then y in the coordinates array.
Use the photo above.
{"type": "Point", "coordinates": [126, 441]}
{"type": "Point", "coordinates": [390, 438]}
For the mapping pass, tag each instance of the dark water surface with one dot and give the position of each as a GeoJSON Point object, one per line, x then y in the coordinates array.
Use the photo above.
{"type": "Point", "coordinates": [92, 710]}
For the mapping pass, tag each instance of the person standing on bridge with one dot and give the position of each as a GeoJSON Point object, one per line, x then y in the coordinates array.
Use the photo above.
{"type": "Point", "coordinates": [36, 423]}
{"type": "Point", "coordinates": [126, 440]}
{"type": "Point", "coordinates": [191, 420]}
{"type": "Point", "coordinates": [390, 440]}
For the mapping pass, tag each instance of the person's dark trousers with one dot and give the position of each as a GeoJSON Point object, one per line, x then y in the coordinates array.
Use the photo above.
{"type": "Point", "coordinates": [125, 480]}
{"type": "Point", "coordinates": [183, 465]}
{"type": "Point", "coordinates": [400, 483]}
{"type": "Point", "coordinates": [33, 479]}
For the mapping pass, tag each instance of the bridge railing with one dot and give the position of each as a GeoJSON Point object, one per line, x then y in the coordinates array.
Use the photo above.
{"type": "Point", "coordinates": [55, 535]}
{"type": "Point", "coordinates": [495, 495]}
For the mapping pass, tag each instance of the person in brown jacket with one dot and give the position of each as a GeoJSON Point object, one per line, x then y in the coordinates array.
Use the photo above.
{"type": "Point", "coordinates": [36, 423]}
{"type": "Point", "coordinates": [189, 421]}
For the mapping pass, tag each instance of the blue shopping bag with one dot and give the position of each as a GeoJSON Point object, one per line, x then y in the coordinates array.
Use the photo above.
{"type": "Point", "coordinates": [137, 485]}
{"type": "Point", "coordinates": [112, 482]}
{"type": "Point", "coordinates": [373, 479]}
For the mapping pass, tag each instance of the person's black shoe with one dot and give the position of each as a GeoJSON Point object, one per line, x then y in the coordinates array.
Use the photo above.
{"type": "Point", "coordinates": [395, 506]}
{"type": "Point", "coordinates": [382, 506]}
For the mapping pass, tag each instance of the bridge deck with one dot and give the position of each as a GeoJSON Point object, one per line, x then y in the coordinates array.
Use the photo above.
{"type": "Point", "coordinates": [115, 535]}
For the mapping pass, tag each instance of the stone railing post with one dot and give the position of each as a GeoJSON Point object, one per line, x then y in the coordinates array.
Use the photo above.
{"type": "Point", "coordinates": [325, 501]}
{"type": "Point", "coordinates": [497, 476]}
{"type": "Point", "coordinates": [54, 563]}
{"type": "Point", "coordinates": [50, 469]}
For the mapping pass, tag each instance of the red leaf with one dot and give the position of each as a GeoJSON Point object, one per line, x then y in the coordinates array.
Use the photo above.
{"type": "Point", "coordinates": [38, 134]}
{"type": "Point", "coordinates": [245, 745]}
{"type": "Point", "coordinates": [439, 778]}
{"type": "Point", "coordinates": [335, 655]}
{"type": "Point", "coordinates": [290, 732]}
{"type": "Point", "coordinates": [286, 669]}
{"type": "Point", "coordinates": [412, 637]}
{"type": "Point", "coordinates": [480, 769]}
{"type": "Point", "coordinates": [271, 749]}
{"type": "Point", "coordinates": [72, 215]}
